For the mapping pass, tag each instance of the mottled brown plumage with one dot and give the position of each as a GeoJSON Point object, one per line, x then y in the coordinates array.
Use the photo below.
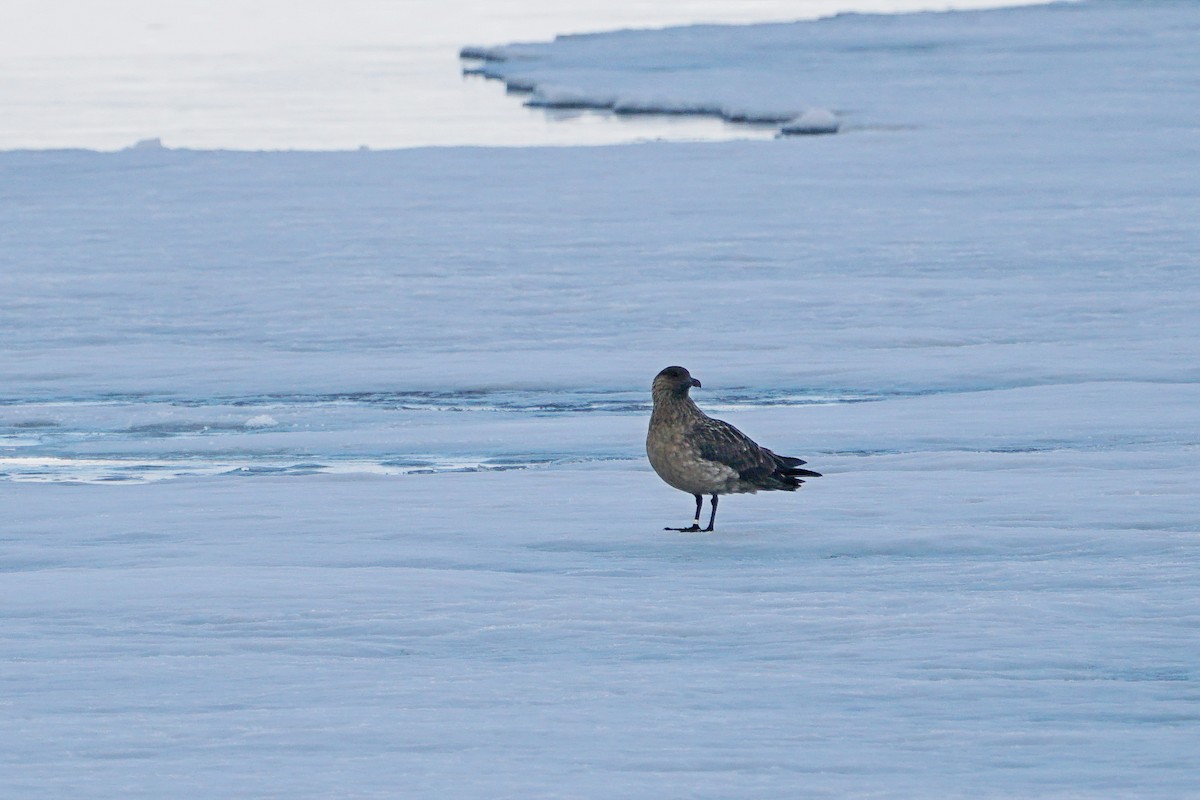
{"type": "Point", "coordinates": [700, 455]}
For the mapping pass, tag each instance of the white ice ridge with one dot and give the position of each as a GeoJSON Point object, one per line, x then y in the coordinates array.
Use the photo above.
{"type": "Point", "coordinates": [730, 73]}
{"type": "Point", "coordinates": [808, 77]}
{"type": "Point", "coordinates": [811, 120]}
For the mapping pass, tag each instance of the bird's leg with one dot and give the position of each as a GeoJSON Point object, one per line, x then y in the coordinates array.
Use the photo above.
{"type": "Point", "coordinates": [696, 521]}
{"type": "Point", "coordinates": [712, 519]}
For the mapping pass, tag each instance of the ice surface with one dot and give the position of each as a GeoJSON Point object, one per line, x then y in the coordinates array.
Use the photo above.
{"type": "Point", "coordinates": [441, 571]}
{"type": "Point", "coordinates": [797, 75]}
{"type": "Point", "coordinates": [812, 121]}
{"type": "Point", "coordinates": [317, 74]}
{"type": "Point", "coordinates": [567, 97]}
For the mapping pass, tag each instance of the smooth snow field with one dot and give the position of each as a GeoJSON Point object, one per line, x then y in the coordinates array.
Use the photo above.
{"type": "Point", "coordinates": [322, 474]}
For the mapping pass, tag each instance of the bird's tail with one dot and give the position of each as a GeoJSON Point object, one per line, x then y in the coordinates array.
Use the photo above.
{"type": "Point", "coordinates": [792, 472]}
{"type": "Point", "coordinates": [791, 467]}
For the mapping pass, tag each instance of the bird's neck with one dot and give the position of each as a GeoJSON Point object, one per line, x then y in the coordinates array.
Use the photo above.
{"type": "Point", "coordinates": [668, 404]}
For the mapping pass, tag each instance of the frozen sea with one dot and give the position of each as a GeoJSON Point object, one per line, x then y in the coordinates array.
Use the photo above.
{"type": "Point", "coordinates": [322, 473]}
{"type": "Point", "coordinates": [320, 75]}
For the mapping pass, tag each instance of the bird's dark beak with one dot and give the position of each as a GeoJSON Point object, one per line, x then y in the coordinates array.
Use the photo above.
{"type": "Point", "coordinates": [695, 383]}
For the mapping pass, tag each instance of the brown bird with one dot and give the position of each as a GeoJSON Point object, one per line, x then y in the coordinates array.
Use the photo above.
{"type": "Point", "coordinates": [700, 455]}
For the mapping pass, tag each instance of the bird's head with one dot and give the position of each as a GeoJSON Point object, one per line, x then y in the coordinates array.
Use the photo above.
{"type": "Point", "coordinates": [675, 381]}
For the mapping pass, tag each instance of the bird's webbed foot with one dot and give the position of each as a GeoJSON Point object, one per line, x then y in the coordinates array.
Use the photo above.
{"type": "Point", "coordinates": [695, 528]}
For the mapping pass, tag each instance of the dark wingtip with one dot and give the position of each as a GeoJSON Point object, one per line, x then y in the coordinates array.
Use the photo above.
{"type": "Point", "coordinates": [800, 473]}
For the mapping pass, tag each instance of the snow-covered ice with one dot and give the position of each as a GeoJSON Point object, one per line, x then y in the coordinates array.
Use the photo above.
{"type": "Point", "coordinates": [323, 472]}
{"type": "Point", "coordinates": [812, 121]}
{"type": "Point", "coordinates": [317, 74]}
{"type": "Point", "coordinates": [817, 77]}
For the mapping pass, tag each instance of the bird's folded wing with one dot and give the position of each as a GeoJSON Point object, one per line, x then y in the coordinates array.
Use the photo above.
{"type": "Point", "coordinates": [719, 441]}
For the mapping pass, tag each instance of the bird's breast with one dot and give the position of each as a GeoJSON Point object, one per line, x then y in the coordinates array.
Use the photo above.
{"type": "Point", "coordinates": [679, 464]}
